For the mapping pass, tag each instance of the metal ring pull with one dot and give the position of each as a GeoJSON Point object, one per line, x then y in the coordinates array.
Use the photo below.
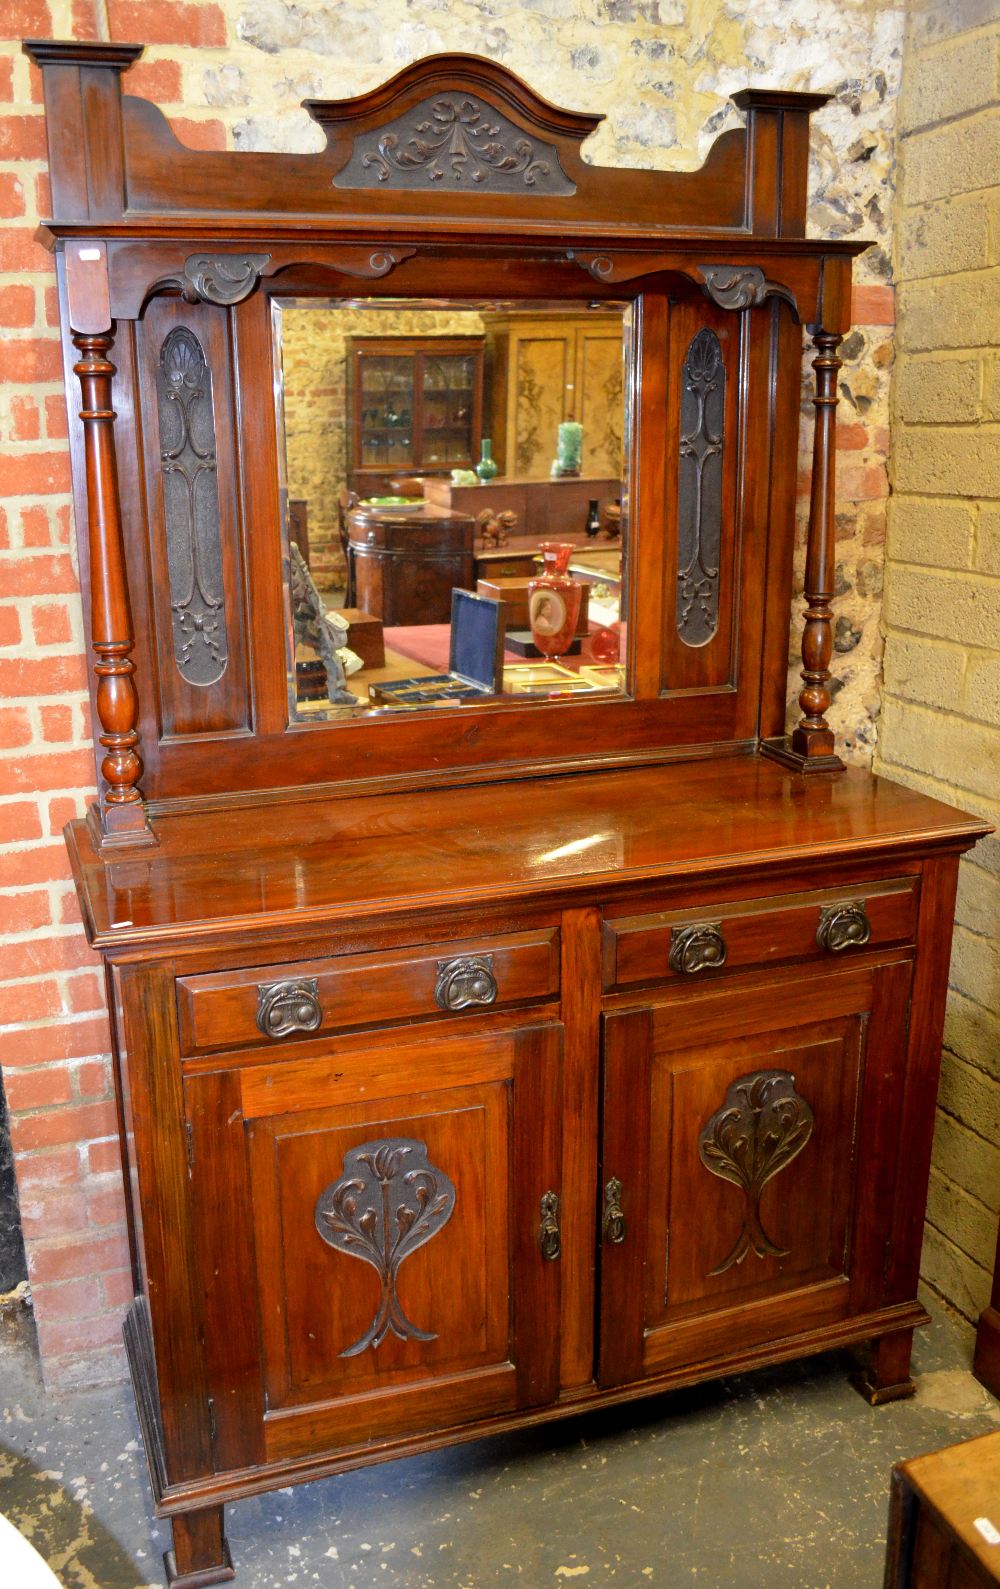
{"type": "Point", "coordinates": [613, 1223]}
{"type": "Point", "coordinates": [843, 926]}
{"type": "Point", "coordinates": [699, 947]}
{"type": "Point", "coordinates": [468, 979]}
{"type": "Point", "coordinates": [284, 1007]}
{"type": "Point", "coordinates": [549, 1237]}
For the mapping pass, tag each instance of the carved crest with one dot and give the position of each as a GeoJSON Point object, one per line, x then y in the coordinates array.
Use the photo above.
{"type": "Point", "coordinates": [762, 1126]}
{"type": "Point", "coordinates": [389, 1201]}
{"type": "Point", "coordinates": [453, 140]}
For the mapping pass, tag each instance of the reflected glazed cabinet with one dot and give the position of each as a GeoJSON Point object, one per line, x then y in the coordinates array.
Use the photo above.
{"type": "Point", "coordinates": [481, 1066]}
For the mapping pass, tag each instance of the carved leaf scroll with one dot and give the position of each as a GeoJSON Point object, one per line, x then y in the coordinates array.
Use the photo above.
{"type": "Point", "coordinates": [221, 278]}
{"type": "Point", "coordinates": [453, 140]}
{"type": "Point", "coordinates": [699, 491]}
{"type": "Point", "coordinates": [191, 508]}
{"type": "Point", "coordinates": [762, 1126]}
{"type": "Point", "coordinates": [389, 1201]}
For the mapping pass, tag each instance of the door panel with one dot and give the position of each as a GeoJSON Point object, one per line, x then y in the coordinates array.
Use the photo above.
{"type": "Point", "coordinates": [397, 1265]}
{"type": "Point", "coordinates": [741, 1126]}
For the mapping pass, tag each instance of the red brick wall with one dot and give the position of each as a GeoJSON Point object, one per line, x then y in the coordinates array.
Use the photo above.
{"type": "Point", "coordinates": [53, 1026]}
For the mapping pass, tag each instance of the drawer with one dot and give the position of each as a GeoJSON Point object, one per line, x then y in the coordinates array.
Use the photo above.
{"type": "Point", "coordinates": [229, 1009]}
{"type": "Point", "coordinates": [828, 924]}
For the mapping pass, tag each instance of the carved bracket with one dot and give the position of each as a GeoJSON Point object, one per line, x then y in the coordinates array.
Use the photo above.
{"type": "Point", "coordinates": [762, 1126]}
{"type": "Point", "coordinates": [742, 287]}
{"type": "Point", "coordinates": [613, 268]}
{"type": "Point", "coordinates": [389, 1201]}
{"type": "Point", "coordinates": [221, 278]}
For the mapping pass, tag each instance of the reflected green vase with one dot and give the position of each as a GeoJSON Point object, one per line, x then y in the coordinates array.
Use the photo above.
{"type": "Point", "coordinates": [487, 468]}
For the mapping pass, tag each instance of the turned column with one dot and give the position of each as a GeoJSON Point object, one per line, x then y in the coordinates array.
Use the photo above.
{"type": "Point", "coordinates": [123, 818]}
{"type": "Point", "coordinates": [812, 740]}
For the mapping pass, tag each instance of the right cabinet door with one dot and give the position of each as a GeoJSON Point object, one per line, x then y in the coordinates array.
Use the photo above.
{"type": "Point", "coordinates": [750, 1133]}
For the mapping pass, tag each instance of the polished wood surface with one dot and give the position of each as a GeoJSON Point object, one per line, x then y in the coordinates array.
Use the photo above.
{"type": "Point", "coordinates": [936, 1502]}
{"type": "Point", "coordinates": [329, 860]}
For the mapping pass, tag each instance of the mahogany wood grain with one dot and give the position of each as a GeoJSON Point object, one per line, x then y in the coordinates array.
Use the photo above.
{"type": "Point", "coordinates": [935, 1503]}
{"type": "Point", "coordinates": [220, 1010]}
{"type": "Point", "coordinates": [581, 980]}
{"type": "Point", "coordinates": [328, 861]}
{"type": "Point", "coordinates": [637, 948]}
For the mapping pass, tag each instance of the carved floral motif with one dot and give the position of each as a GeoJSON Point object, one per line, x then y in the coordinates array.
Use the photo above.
{"type": "Point", "coordinates": [699, 506]}
{"type": "Point", "coordinates": [389, 1201]}
{"type": "Point", "coordinates": [191, 508]}
{"type": "Point", "coordinates": [454, 139]}
{"type": "Point", "coordinates": [762, 1126]}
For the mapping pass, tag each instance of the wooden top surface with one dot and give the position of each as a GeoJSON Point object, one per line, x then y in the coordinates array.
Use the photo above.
{"type": "Point", "coordinates": [323, 859]}
{"type": "Point", "coordinates": [962, 1483]}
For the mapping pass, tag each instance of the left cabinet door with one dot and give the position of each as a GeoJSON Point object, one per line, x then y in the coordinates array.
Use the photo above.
{"type": "Point", "coordinates": [375, 1239]}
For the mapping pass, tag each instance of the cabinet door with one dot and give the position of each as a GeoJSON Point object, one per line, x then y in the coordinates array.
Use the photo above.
{"type": "Point", "coordinates": [378, 1222]}
{"type": "Point", "coordinates": [747, 1163]}
{"type": "Point", "coordinates": [599, 399]}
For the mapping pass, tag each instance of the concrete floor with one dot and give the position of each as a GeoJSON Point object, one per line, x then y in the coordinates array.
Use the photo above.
{"type": "Point", "coordinates": [772, 1480]}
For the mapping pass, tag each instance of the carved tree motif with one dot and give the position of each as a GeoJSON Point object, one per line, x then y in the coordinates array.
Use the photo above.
{"type": "Point", "coordinates": [191, 508]}
{"type": "Point", "coordinates": [454, 138]}
{"type": "Point", "coordinates": [699, 506]}
{"type": "Point", "coordinates": [389, 1201]}
{"type": "Point", "coordinates": [762, 1126]}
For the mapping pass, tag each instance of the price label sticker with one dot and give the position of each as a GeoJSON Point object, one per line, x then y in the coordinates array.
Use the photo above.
{"type": "Point", "coordinates": [989, 1530]}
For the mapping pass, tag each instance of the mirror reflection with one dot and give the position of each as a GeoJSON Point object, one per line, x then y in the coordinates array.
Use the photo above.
{"type": "Point", "coordinates": [454, 503]}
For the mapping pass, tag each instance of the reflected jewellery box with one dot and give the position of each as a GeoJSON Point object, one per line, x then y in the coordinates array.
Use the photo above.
{"type": "Point", "coordinates": [475, 659]}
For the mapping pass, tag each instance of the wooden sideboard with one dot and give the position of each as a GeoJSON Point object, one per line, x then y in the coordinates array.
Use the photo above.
{"type": "Point", "coordinates": [481, 1065]}
{"type": "Point", "coordinates": [944, 1518]}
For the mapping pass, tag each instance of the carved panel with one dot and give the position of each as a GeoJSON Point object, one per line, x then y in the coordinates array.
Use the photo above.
{"type": "Point", "coordinates": [699, 489]}
{"type": "Point", "coordinates": [389, 1201]}
{"type": "Point", "coordinates": [191, 508]}
{"type": "Point", "coordinates": [453, 140]}
{"type": "Point", "coordinates": [762, 1126]}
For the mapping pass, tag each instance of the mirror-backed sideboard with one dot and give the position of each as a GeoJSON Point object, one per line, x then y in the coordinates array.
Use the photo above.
{"type": "Point", "coordinates": [510, 1018]}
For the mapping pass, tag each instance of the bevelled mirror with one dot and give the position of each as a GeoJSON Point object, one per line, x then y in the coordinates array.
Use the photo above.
{"type": "Point", "coordinates": [454, 502]}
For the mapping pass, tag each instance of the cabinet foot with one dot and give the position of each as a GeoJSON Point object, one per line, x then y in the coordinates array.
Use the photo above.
{"type": "Point", "coordinates": [885, 1376]}
{"type": "Point", "coordinates": [201, 1552]}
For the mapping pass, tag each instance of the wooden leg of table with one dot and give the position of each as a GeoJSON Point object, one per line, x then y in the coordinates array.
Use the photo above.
{"type": "Point", "coordinates": [201, 1554]}
{"type": "Point", "coordinates": [886, 1374]}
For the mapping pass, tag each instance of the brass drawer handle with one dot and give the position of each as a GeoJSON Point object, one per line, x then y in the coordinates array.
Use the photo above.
{"type": "Point", "coordinates": [284, 1007]}
{"type": "Point", "coordinates": [468, 979]}
{"type": "Point", "coordinates": [613, 1223]}
{"type": "Point", "coordinates": [549, 1238]}
{"type": "Point", "coordinates": [700, 947]}
{"type": "Point", "coordinates": [844, 926]}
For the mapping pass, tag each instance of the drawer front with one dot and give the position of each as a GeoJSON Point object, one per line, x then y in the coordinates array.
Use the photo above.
{"type": "Point", "coordinates": [308, 997]}
{"type": "Point", "coordinates": [826, 924]}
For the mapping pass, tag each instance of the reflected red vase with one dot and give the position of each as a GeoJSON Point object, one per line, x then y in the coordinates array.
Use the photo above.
{"type": "Point", "coordinates": [554, 600]}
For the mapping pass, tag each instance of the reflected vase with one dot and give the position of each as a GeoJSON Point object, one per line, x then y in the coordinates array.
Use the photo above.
{"type": "Point", "coordinates": [554, 599]}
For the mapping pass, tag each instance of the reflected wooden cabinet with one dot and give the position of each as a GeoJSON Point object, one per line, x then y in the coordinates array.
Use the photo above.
{"type": "Point", "coordinates": [544, 370]}
{"type": "Point", "coordinates": [414, 407]}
